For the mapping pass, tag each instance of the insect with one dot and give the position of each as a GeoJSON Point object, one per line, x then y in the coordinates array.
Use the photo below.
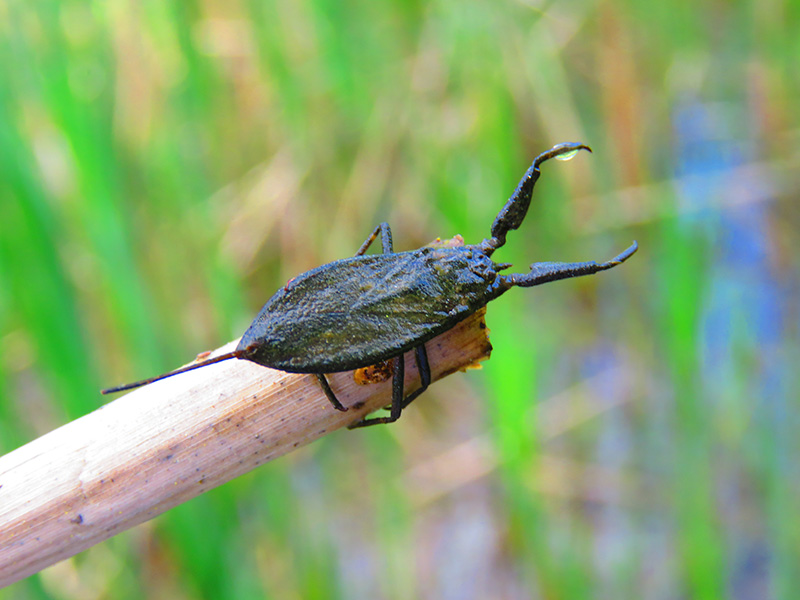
{"type": "Point", "coordinates": [363, 310]}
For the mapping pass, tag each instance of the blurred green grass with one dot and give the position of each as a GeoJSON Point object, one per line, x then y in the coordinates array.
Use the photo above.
{"type": "Point", "coordinates": [164, 167]}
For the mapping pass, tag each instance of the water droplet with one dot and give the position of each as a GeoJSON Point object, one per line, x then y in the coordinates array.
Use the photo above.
{"type": "Point", "coordinates": [568, 155]}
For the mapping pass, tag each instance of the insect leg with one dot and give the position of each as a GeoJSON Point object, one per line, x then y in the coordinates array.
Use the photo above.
{"type": "Point", "coordinates": [398, 380]}
{"type": "Point", "coordinates": [424, 369]}
{"type": "Point", "coordinates": [386, 239]}
{"type": "Point", "coordinates": [323, 382]}
{"type": "Point", "coordinates": [553, 271]}
{"type": "Point", "coordinates": [513, 213]}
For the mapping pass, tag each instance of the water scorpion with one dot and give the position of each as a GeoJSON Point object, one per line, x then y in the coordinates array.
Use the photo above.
{"type": "Point", "coordinates": [363, 310]}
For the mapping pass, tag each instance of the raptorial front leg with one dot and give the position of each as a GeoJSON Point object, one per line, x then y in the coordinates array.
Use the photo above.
{"type": "Point", "coordinates": [553, 271]}
{"type": "Point", "coordinates": [514, 211]}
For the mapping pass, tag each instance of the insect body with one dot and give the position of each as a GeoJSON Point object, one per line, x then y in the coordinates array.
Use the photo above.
{"type": "Point", "coordinates": [359, 311]}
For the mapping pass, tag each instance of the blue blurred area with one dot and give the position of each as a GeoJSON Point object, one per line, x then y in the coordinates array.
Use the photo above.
{"type": "Point", "coordinates": [727, 198]}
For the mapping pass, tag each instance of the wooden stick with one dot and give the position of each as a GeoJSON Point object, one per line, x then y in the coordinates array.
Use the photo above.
{"type": "Point", "coordinates": [170, 441]}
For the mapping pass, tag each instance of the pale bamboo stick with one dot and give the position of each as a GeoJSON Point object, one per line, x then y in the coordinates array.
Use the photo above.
{"type": "Point", "coordinates": [168, 442]}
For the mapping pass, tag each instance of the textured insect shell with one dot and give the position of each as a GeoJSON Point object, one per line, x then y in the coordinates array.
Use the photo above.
{"type": "Point", "coordinates": [358, 311]}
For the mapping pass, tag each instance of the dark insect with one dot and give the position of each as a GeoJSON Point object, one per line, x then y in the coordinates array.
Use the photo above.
{"type": "Point", "coordinates": [360, 311]}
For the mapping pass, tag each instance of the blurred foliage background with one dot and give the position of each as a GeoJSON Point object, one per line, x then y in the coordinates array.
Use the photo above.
{"type": "Point", "coordinates": [165, 166]}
